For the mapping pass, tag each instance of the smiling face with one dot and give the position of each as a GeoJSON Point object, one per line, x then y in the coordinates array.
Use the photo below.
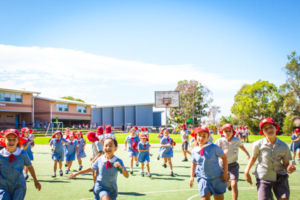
{"type": "Point", "coordinates": [57, 136]}
{"type": "Point", "coordinates": [11, 142]}
{"type": "Point", "coordinates": [109, 147]}
{"type": "Point", "coordinates": [228, 132]}
{"type": "Point", "coordinates": [143, 139]}
{"type": "Point", "coordinates": [78, 136]}
{"type": "Point", "coordinates": [202, 137]}
{"type": "Point", "coordinates": [166, 133]}
{"type": "Point", "coordinates": [269, 130]}
{"type": "Point", "coordinates": [26, 133]}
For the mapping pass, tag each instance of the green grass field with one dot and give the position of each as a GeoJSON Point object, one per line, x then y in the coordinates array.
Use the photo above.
{"type": "Point", "coordinates": [160, 186]}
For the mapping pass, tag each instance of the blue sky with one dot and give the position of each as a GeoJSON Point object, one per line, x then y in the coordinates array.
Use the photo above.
{"type": "Point", "coordinates": [219, 43]}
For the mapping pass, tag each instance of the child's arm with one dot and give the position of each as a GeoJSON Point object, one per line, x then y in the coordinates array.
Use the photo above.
{"type": "Point", "coordinates": [245, 150]}
{"type": "Point", "coordinates": [36, 182]}
{"type": "Point", "coordinates": [165, 145]}
{"type": "Point", "coordinates": [289, 167]}
{"type": "Point", "coordinates": [247, 170]}
{"type": "Point", "coordinates": [96, 157]}
{"type": "Point", "coordinates": [125, 144]}
{"type": "Point", "coordinates": [84, 171]}
{"type": "Point", "coordinates": [225, 176]}
{"type": "Point", "coordinates": [124, 172]}
{"type": "Point", "coordinates": [194, 164]}
{"type": "Point", "coordinates": [26, 146]}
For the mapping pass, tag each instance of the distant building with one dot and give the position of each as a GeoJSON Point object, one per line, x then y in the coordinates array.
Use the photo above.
{"type": "Point", "coordinates": [125, 115]}
{"type": "Point", "coordinates": [16, 108]}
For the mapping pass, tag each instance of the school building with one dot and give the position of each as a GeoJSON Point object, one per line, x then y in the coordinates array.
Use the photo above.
{"type": "Point", "coordinates": [16, 108]}
{"type": "Point", "coordinates": [62, 110]}
{"type": "Point", "coordinates": [121, 116]}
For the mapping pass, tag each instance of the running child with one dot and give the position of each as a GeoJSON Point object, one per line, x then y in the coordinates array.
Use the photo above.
{"type": "Point", "coordinates": [211, 177]}
{"type": "Point", "coordinates": [12, 162]}
{"type": "Point", "coordinates": [144, 155]}
{"type": "Point", "coordinates": [70, 150]}
{"type": "Point", "coordinates": [81, 148]}
{"type": "Point", "coordinates": [184, 142]}
{"type": "Point", "coordinates": [273, 157]}
{"type": "Point", "coordinates": [25, 133]}
{"type": "Point", "coordinates": [106, 167]}
{"type": "Point", "coordinates": [295, 145]}
{"type": "Point", "coordinates": [133, 152]}
{"type": "Point", "coordinates": [231, 145]}
{"type": "Point", "coordinates": [166, 150]}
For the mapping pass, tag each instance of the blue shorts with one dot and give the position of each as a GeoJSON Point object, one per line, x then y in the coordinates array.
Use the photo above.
{"type": "Point", "coordinates": [81, 154]}
{"type": "Point", "coordinates": [100, 192]}
{"type": "Point", "coordinates": [295, 147]}
{"type": "Point", "coordinates": [132, 153]}
{"type": "Point", "coordinates": [143, 157]}
{"type": "Point", "coordinates": [59, 156]}
{"type": "Point", "coordinates": [70, 157]}
{"type": "Point", "coordinates": [18, 194]}
{"type": "Point", "coordinates": [216, 186]}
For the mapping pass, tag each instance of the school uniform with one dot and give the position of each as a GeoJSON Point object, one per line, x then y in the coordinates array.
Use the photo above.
{"type": "Point", "coordinates": [106, 181]}
{"type": "Point", "coordinates": [232, 155]}
{"type": "Point", "coordinates": [145, 155]}
{"type": "Point", "coordinates": [166, 152]}
{"type": "Point", "coordinates": [58, 153]}
{"type": "Point", "coordinates": [295, 146]}
{"type": "Point", "coordinates": [184, 139]}
{"type": "Point", "coordinates": [28, 150]}
{"type": "Point", "coordinates": [70, 150]}
{"type": "Point", "coordinates": [270, 172]}
{"type": "Point", "coordinates": [81, 153]}
{"type": "Point", "coordinates": [96, 148]}
{"type": "Point", "coordinates": [133, 145]}
{"type": "Point", "coordinates": [208, 171]}
{"type": "Point", "coordinates": [12, 181]}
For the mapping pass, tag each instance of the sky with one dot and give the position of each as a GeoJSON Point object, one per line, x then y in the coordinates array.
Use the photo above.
{"type": "Point", "coordinates": [119, 52]}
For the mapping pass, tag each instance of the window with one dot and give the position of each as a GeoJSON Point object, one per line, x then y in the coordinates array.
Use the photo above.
{"type": "Point", "coordinates": [81, 109]}
{"type": "Point", "coordinates": [62, 107]}
{"type": "Point", "coordinates": [10, 97]}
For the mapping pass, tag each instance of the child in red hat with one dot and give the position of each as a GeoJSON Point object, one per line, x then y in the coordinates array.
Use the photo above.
{"type": "Point", "coordinates": [12, 162]}
{"type": "Point", "coordinates": [231, 145]}
{"type": "Point", "coordinates": [144, 155]}
{"type": "Point", "coordinates": [166, 150]}
{"type": "Point", "coordinates": [295, 145]}
{"type": "Point", "coordinates": [108, 133]}
{"type": "Point", "coordinates": [184, 141]}
{"type": "Point", "coordinates": [25, 134]}
{"type": "Point", "coordinates": [273, 157]}
{"type": "Point", "coordinates": [81, 148]}
{"type": "Point", "coordinates": [132, 139]}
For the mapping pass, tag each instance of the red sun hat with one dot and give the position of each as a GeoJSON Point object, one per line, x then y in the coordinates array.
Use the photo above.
{"type": "Point", "coordinates": [107, 129]}
{"type": "Point", "coordinates": [91, 136]}
{"type": "Point", "coordinates": [297, 130]}
{"type": "Point", "coordinates": [146, 129]}
{"type": "Point", "coordinates": [183, 126]}
{"type": "Point", "coordinates": [142, 129]}
{"type": "Point", "coordinates": [227, 126]}
{"type": "Point", "coordinates": [143, 136]}
{"type": "Point", "coordinates": [25, 129]}
{"type": "Point", "coordinates": [11, 131]}
{"type": "Point", "coordinates": [99, 130]}
{"type": "Point", "coordinates": [135, 127]}
{"type": "Point", "coordinates": [56, 132]}
{"type": "Point", "coordinates": [201, 129]}
{"type": "Point", "coordinates": [267, 121]}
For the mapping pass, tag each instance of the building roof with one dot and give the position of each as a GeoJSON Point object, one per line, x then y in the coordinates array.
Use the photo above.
{"type": "Point", "coordinates": [18, 91]}
{"type": "Point", "coordinates": [126, 105]}
{"type": "Point", "coordinates": [64, 101]}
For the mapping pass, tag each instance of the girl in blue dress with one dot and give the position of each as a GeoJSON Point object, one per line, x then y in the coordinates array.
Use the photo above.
{"type": "Point", "coordinates": [133, 152]}
{"type": "Point", "coordinates": [56, 145]}
{"type": "Point", "coordinates": [25, 133]}
{"type": "Point", "coordinates": [144, 155]}
{"type": "Point", "coordinates": [70, 150]}
{"type": "Point", "coordinates": [166, 150]}
{"type": "Point", "coordinates": [107, 167]}
{"type": "Point", "coordinates": [81, 146]}
{"type": "Point", "coordinates": [12, 162]}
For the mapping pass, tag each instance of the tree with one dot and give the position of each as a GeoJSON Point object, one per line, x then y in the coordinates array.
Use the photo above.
{"type": "Point", "coordinates": [72, 99]}
{"type": "Point", "coordinates": [194, 102]}
{"type": "Point", "coordinates": [212, 113]}
{"type": "Point", "coordinates": [229, 120]}
{"type": "Point", "coordinates": [255, 102]}
{"type": "Point", "coordinates": [288, 125]}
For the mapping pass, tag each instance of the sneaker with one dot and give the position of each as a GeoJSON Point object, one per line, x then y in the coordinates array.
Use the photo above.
{"type": "Point", "coordinates": [172, 174]}
{"type": "Point", "coordinates": [131, 171]}
{"type": "Point", "coordinates": [137, 164]}
{"type": "Point", "coordinates": [66, 165]}
{"type": "Point", "coordinates": [80, 168]}
{"type": "Point", "coordinates": [142, 174]}
{"type": "Point", "coordinates": [158, 157]}
{"type": "Point", "coordinates": [164, 165]}
{"type": "Point", "coordinates": [185, 160]}
{"type": "Point", "coordinates": [61, 173]}
{"type": "Point", "coordinates": [149, 175]}
{"type": "Point", "coordinates": [67, 171]}
{"type": "Point", "coordinates": [26, 176]}
{"type": "Point", "coordinates": [54, 175]}
{"type": "Point", "coordinates": [229, 187]}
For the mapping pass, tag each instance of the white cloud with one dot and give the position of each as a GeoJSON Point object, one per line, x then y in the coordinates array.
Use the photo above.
{"type": "Point", "coordinates": [59, 72]}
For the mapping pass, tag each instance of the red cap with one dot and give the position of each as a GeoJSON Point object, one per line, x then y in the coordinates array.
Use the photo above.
{"type": "Point", "coordinates": [11, 131]}
{"type": "Point", "coordinates": [25, 129]}
{"type": "Point", "coordinates": [56, 132]}
{"type": "Point", "coordinates": [183, 126]}
{"type": "Point", "coordinates": [266, 121]}
{"type": "Point", "coordinates": [146, 129]}
{"type": "Point", "coordinates": [142, 129]}
{"type": "Point", "coordinates": [227, 126]}
{"type": "Point", "coordinates": [107, 129]}
{"type": "Point", "coordinates": [31, 130]}
{"type": "Point", "coordinates": [246, 127]}
{"type": "Point", "coordinates": [135, 127]}
{"type": "Point", "coordinates": [297, 130]}
{"type": "Point", "coordinates": [200, 129]}
{"type": "Point", "coordinates": [143, 135]}
{"type": "Point", "coordinates": [99, 130]}
{"type": "Point", "coordinates": [91, 136]}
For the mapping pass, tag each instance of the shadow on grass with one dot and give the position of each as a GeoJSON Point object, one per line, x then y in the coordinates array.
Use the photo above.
{"type": "Point", "coordinates": [131, 194]}
{"type": "Point", "coordinates": [182, 167]}
{"type": "Point", "coordinates": [54, 181]}
{"type": "Point", "coordinates": [168, 178]}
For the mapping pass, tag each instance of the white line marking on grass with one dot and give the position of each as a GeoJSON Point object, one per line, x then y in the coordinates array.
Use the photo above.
{"type": "Point", "coordinates": [192, 197]}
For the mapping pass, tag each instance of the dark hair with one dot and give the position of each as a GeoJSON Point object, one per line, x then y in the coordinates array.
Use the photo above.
{"type": "Point", "coordinates": [114, 141]}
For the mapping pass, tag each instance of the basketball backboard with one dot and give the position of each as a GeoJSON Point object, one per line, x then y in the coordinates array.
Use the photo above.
{"type": "Point", "coordinates": [166, 99]}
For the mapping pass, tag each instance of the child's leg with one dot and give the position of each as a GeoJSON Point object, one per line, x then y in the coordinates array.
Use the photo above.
{"type": "Point", "coordinates": [165, 160]}
{"type": "Point", "coordinates": [219, 197]}
{"type": "Point", "coordinates": [59, 165]}
{"type": "Point", "coordinates": [142, 167]}
{"type": "Point", "coordinates": [294, 155]}
{"type": "Point", "coordinates": [131, 162]}
{"type": "Point", "coordinates": [135, 158]}
{"type": "Point", "coordinates": [148, 167]}
{"type": "Point", "coordinates": [55, 165]}
{"type": "Point", "coordinates": [79, 161]}
{"type": "Point", "coordinates": [234, 186]}
{"type": "Point", "coordinates": [70, 164]}
{"type": "Point", "coordinates": [94, 176]}
{"type": "Point", "coordinates": [105, 197]}
{"type": "Point", "coordinates": [170, 164]}
{"type": "Point", "coordinates": [206, 197]}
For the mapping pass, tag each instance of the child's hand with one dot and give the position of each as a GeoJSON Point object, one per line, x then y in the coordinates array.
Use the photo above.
{"type": "Point", "coordinates": [248, 178]}
{"type": "Point", "coordinates": [248, 157]}
{"type": "Point", "coordinates": [72, 176]}
{"type": "Point", "coordinates": [191, 182]}
{"type": "Point", "coordinates": [52, 149]}
{"type": "Point", "coordinates": [225, 177]}
{"type": "Point", "coordinates": [37, 185]}
{"type": "Point", "coordinates": [117, 164]}
{"type": "Point", "coordinates": [291, 168]}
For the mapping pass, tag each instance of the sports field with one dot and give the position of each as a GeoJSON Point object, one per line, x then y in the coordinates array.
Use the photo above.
{"type": "Point", "coordinates": [160, 186]}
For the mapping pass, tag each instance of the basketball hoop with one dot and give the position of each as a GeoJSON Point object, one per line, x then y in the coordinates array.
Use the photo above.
{"type": "Point", "coordinates": [167, 101]}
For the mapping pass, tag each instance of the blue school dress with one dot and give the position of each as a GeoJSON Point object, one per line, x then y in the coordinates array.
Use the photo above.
{"type": "Point", "coordinates": [81, 153]}
{"type": "Point", "coordinates": [295, 146]}
{"type": "Point", "coordinates": [133, 145]}
{"type": "Point", "coordinates": [143, 156]}
{"type": "Point", "coordinates": [208, 170]}
{"type": "Point", "coordinates": [12, 181]}
{"type": "Point", "coordinates": [106, 181]}
{"type": "Point", "coordinates": [28, 150]}
{"type": "Point", "coordinates": [166, 152]}
{"type": "Point", "coordinates": [58, 153]}
{"type": "Point", "coordinates": [70, 150]}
